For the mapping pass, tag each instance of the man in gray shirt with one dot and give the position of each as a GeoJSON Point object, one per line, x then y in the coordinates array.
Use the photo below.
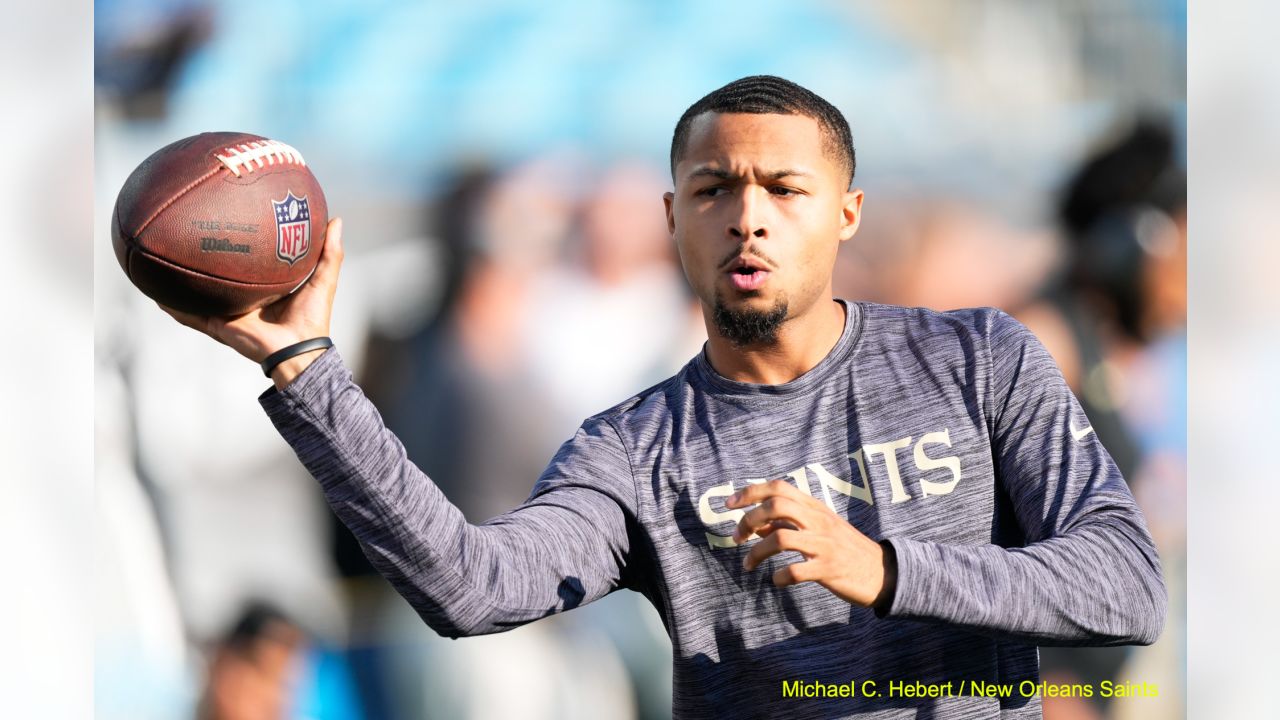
{"type": "Point", "coordinates": [839, 509]}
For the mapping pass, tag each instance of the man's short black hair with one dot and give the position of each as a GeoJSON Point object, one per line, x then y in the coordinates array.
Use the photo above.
{"type": "Point", "coordinates": [769, 94]}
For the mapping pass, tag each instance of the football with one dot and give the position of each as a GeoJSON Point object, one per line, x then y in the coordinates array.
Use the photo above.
{"type": "Point", "coordinates": [219, 223]}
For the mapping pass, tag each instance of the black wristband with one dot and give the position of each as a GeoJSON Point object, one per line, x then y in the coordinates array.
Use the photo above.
{"type": "Point", "coordinates": [293, 350]}
{"type": "Point", "coordinates": [890, 590]}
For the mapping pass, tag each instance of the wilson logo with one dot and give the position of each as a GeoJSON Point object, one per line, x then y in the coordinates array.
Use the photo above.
{"type": "Point", "coordinates": [224, 245]}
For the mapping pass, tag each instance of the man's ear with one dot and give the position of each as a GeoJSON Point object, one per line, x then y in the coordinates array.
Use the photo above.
{"type": "Point", "coordinates": [668, 201]}
{"type": "Point", "coordinates": [850, 214]}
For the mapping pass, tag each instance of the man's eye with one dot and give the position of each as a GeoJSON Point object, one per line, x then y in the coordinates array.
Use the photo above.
{"type": "Point", "coordinates": [784, 191]}
{"type": "Point", "coordinates": [712, 191]}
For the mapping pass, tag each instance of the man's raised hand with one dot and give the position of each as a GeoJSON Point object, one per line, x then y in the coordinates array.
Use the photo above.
{"type": "Point", "coordinates": [299, 316]}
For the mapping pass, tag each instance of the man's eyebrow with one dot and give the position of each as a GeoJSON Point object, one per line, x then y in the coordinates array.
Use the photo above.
{"type": "Point", "coordinates": [726, 175]}
{"type": "Point", "coordinates": [788, 172]}
{"type": "Point", "coordinates": [711, 172]}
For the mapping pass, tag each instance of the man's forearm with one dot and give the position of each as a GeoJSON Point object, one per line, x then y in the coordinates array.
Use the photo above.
{"type": "Point", "coordinates": [403, 522]}
{"type": "Point", "coordinates": [1088, 573]}
{"type": "Point", "coordinates": [1099, 584]}
{"type": "Point", "coordinates": [462, 579]}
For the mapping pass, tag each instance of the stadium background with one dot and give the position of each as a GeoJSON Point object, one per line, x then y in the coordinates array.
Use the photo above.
{"type": "Point", "coordinates": [499, 167]}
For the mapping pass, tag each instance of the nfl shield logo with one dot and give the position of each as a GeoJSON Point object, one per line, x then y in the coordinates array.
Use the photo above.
{"type": "Point", "coordinates": [293, 228]}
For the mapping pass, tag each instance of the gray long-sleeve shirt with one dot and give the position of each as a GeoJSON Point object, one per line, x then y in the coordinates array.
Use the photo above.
{"type": "Point", "coordinates": [952, 436]}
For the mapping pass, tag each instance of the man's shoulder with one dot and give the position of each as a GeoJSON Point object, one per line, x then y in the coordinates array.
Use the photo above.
{"type": "Point", "coordinates": [896, 320]}
{"type": "Point", "coordinates": [979, 329]}
{"type": "Point", "coordinates": [940, 337]}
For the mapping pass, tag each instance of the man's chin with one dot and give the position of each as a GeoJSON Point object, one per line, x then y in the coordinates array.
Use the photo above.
{"type": "Point", "coordinates": [747, 318]}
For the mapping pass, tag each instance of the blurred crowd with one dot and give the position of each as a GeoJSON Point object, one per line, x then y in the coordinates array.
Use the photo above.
{"type": "Point", "coordinates": [512, 293]}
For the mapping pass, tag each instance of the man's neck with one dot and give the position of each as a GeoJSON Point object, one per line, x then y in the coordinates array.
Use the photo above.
{"type": "Point", "coordinates": [802, 343]}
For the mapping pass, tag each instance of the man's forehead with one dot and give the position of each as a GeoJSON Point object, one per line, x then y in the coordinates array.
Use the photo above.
{"type": "Point", "coordinates": [769, 142]}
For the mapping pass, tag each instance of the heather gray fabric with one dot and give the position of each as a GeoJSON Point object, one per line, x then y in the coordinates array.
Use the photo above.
{"type": "Point", "coordinates": [952, 435]}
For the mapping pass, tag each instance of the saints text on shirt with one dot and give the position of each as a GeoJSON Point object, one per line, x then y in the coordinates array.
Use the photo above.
{"type": "Point", "coordinates": [901, 490]}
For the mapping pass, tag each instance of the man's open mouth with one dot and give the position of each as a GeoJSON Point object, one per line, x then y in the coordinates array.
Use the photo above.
{"type": "Point", "coordinates": [747, 275]}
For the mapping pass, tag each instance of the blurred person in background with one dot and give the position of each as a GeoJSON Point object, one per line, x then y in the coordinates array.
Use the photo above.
{"type": "Point", "coordinates": [1115, 322]}
{"type": "Point", "coordinates": [447, 389]}
{"type": "Point", "coordinates": [464, 375]}
{"type": "Point", "coordinates": [266, 667]}
{"type": "Point", "coordinates": [1124, 281]}
{"type": "Point", "coordinates": [612, 315]}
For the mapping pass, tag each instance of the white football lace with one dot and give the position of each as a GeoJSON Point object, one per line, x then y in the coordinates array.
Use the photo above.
{"type": "Point", "coordinates": [258, 154]}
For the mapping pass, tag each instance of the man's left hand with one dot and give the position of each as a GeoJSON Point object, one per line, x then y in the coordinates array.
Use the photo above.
{"type": "Point", "coordinates": [837, 555]}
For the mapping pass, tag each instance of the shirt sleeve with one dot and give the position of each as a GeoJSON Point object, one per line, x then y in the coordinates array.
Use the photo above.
{"type": "Point", "coordinates": [567, 545]}
{"type": "Point", "coordinates": [1088, 573]}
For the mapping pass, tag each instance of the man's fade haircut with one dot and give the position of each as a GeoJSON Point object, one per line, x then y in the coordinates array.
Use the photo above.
{"type": "Point", "coordinates": [772, 95]}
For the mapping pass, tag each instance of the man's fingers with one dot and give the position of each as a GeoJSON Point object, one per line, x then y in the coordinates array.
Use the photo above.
{"type": "Point", "coordinates": [775, 525]}
{"type": "Point", "coordinates": [773, 509]}
{"type": "Point", "coordinates": [780, 540]}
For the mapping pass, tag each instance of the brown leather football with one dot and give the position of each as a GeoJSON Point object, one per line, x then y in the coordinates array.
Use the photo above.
{"type": "Point", "coordinates": [220, 223]}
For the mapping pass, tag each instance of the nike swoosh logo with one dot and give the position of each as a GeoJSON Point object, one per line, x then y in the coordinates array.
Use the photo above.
{"type": "Point", "coordinates": [1079, 434]}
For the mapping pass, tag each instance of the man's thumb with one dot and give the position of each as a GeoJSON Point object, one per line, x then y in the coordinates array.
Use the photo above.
{"type": "Point", "coordinates": [332, 251]}
{"type": "Point", "coordinates": [330, 255]}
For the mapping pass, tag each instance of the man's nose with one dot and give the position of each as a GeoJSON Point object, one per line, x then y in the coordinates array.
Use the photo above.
{"type": "Point", "coordinates": [748, 219]}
